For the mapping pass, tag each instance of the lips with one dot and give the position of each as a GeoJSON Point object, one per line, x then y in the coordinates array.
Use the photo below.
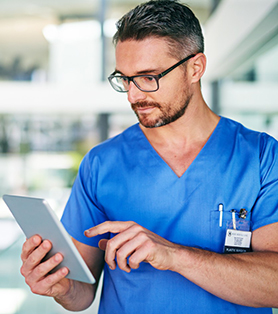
{"type": "Point", "coordinates": [144, 106]}
{"type": "Point", "coordinates": [144, 110]}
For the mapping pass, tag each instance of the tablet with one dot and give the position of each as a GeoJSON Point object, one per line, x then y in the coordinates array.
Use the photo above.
{"type": "Point", "coordinates": [35, 216]}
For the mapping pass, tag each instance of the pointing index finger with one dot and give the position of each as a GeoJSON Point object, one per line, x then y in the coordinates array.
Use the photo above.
{"type": "Point", "coordinates": [108, 226]}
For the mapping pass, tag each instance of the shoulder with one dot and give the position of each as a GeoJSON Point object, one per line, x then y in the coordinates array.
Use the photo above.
{"type": "Point", "coordinates": [112, 148]}
{"type": "Point", "coordinates": [248, 136]}
{"type": "Point", "coordinates": [115, 145]}
{"type": "Point", "coordinates": [260, 148]}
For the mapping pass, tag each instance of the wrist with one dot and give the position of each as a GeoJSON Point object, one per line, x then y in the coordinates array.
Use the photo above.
{"type": "Point", "coordinates": [185, 260]}
{"type": "Point", "coordinates": [78, 297]}
{"type": "Point", "coordinates": [179, 258]}
{"type": "Point", "coordinates": [67, 295]}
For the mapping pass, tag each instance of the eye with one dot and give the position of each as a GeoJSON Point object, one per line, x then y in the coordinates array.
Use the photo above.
{"type": "Point", "coordinates": [148, 78]}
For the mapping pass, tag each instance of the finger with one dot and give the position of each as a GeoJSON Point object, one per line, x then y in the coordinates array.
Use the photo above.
{"type": "Point", "coordinates": [112, 254]}
{"type": "Point", "coordinates": [102, 244]}
{"type": "Point", "coordinates": [127, 256]}
{"type": "Point", "coordinates": [108, 226]}
{"type": "Point", "coordinates": [139, 256]}
{"type": "Point", "coordinates": [159, 256]}
{"type": "Point", "coordinates": [48, 286]}
{"type": "Point", "coordinates": [43, 269]}
{"type": "Point", "coordinates": [35, 258]}
{"type": "Point", "coordinates": [29, 246]}
{"type": "Point", "coordinates": [121, 246]}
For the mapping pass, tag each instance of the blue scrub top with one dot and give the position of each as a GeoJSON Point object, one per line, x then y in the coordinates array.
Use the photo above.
{"type": "Point", "coordinates": [125, 179]}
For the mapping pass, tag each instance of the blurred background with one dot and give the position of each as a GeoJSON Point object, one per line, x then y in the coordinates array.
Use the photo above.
{"type": "Point", "coordinates": [55, 101]}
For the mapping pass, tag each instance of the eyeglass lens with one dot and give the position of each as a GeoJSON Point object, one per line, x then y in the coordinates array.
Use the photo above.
{"type": "Point", "coordinates": [143, 82]}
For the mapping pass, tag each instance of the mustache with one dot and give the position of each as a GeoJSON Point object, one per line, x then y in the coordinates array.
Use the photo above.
{"type": "Point", "coordinates": [145, 104]}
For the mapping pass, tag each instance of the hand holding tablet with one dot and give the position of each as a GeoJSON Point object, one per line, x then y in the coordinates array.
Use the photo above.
{"type": "Point", "coordinates": [35, 216]}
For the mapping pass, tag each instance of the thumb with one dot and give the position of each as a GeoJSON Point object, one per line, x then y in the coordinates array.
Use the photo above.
{"type": "Point", "coordinates": [102, 244]}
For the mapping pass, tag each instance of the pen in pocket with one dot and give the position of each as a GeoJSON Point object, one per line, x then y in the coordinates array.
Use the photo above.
{"type": "Point", "coordinates": [220, 207]}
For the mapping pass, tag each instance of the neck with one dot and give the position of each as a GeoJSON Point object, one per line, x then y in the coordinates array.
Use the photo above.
{"type": "Point", "coordinates": [196, 125]}
{"type": "Point", "coordinates": [179, 142]}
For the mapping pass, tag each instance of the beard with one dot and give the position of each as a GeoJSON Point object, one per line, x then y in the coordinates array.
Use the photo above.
{"type": "Point", "coordinates": [167, 114]}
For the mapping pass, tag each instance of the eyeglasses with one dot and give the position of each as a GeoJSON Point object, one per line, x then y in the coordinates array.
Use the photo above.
{"type": "Point", "coordinates": [146, 83]}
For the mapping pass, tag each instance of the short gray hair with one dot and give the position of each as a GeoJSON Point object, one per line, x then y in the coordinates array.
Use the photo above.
{"type": "Point", "coordinates": [163, 18]}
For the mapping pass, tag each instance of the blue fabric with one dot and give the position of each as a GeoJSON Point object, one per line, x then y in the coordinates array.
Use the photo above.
{"type": "Point", "coordinates": [125, 179]}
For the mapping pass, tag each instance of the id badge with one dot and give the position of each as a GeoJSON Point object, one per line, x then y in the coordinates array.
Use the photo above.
{"type": "Point", "coordinates": [237, 241]}
{"type": "Point", "coordinates": [238, 235]}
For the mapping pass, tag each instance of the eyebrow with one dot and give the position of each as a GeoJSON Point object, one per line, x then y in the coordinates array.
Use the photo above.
{"type": "Point", "coordinates": [117, 72]}
{"type": "Point", "coordinates": [140, 72]}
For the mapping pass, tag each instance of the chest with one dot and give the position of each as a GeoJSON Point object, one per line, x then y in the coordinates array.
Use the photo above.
{"type": "Point", "coordinates": [184, 210]}
{"type": "Point", "coordinates": [178, 158]}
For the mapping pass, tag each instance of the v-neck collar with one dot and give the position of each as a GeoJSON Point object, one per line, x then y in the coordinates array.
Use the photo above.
{"type": "Point", "coordinates": [155, 160]}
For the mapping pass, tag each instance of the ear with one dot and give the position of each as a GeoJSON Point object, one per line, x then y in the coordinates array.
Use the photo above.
{"type": "Point", "coordinates": [198, 67]}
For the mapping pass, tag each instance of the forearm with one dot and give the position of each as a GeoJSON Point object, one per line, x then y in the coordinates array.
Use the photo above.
{"type": "Point", "coordinates": [249, 279]}
{"type": "Point", "coordinates": [78, 297]}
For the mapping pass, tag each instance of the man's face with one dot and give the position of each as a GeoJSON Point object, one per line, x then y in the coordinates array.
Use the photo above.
{"type": "Point", "coordinates": [151, 56]}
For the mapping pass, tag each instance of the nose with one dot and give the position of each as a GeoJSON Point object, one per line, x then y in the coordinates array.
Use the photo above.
{"type": "Point", "coordinates": [135, 94]}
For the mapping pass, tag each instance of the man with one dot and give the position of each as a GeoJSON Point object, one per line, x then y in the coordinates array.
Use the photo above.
{"type": "Point", "coordinates": [154, 201]}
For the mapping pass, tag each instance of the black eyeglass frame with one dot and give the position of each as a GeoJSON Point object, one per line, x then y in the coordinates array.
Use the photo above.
{"type": "Point", "coordinates": [156, 77]}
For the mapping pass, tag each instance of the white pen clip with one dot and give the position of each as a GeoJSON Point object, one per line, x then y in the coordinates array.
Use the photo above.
{"type": "Point", "coordinates": [220, 207]}
{"type": "Point", "coordinates": [234, 218]}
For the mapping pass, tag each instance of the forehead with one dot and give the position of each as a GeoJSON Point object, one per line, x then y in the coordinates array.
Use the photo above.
{"type": "Point", "coordinates": [133, 56]}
